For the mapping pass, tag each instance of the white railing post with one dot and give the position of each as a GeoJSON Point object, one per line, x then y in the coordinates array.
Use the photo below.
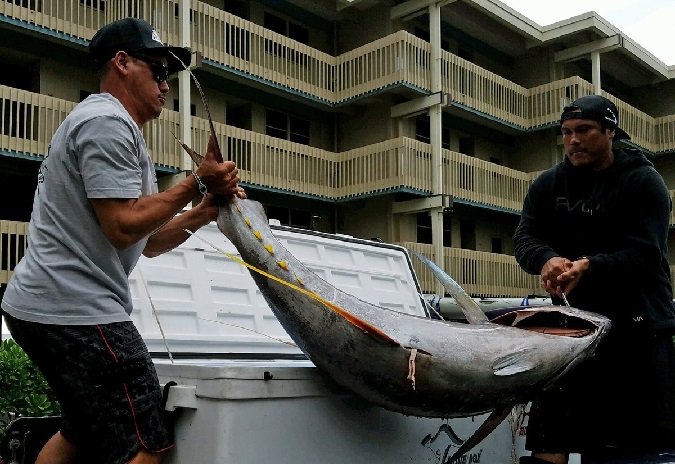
{"type": "Point", "coordinates": [435, 121]}
{"type": "Point", "coordinates": [184, 92]}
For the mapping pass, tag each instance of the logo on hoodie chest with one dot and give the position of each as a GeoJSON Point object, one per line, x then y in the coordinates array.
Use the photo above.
{"type": "Point", "coordinates": [580, 206]}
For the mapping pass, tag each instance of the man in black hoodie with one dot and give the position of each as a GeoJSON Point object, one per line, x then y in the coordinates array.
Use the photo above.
{"type": "Point", "coordinates": [595, 228]}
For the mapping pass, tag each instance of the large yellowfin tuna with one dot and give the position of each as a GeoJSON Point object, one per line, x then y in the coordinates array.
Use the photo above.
{"type": "Point", "coordinates": [410, 364]}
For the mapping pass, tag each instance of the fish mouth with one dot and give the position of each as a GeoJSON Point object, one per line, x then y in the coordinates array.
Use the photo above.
{"type": "Point", "coordinates": [551, 320]}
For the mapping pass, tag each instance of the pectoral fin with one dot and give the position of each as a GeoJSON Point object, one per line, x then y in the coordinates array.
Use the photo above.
{"type": "Point", "coordinates": [515, 363]}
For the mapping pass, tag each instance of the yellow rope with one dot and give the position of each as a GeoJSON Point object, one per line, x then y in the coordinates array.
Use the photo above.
{"type": "Point", "coordinates": [361, 324]}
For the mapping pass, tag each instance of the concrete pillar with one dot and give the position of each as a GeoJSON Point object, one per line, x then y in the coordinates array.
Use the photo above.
{"type": "Point", "coordinates": [435, 119]}
{"type": "Point", "coordinates": [595, 63]}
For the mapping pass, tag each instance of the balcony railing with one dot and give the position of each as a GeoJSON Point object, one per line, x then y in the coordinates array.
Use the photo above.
{"type": "Point", "coordinates": [399, 58]}
{"type": "Point", "coordinates": [28, 121]}
{"type": "Point", "coordinates": [481, 274]}
{"type": "Point", "coordinates": [12, 247]}
{"type": "Point", "coordinates": [478, 273]}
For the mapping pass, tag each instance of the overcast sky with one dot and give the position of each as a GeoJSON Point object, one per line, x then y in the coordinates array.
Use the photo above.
{"type": "Point", "coordinates": [650, 23]}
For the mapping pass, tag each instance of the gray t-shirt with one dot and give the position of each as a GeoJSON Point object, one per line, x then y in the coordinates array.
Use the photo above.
{"type": "Point", "coordinates": [71, 274]}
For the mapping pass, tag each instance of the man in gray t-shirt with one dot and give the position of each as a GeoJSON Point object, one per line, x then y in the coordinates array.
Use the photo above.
{"type": "Point", "coordinates": [95, 210]}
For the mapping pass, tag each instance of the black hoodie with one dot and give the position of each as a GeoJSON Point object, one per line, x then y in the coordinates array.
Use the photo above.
{"type": "Point", "coordinates": [618, 218]}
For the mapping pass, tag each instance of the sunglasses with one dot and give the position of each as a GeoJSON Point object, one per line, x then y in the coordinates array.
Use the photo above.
{"type": "Point", "coordinates": [160, 70]}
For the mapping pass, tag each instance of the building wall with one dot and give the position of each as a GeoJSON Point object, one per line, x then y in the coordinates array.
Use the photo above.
{"type": "Point", "coordinates": [366, 123]}
{"type": "Point", "coordinates": [370, 26]}
{"type": "Point", "coordinates": [533, 68]}
{"type": "Point", "coordinates": [368, 218]}
{"type": "Point", "coordinates": [653, 98]}
{"type": "Point", "coordinates": [52, 80]}
{"type": "Point", "coordinates": [537, 151]}
{"type": "Point", "coordinates": [405, 228]}
{"type": "Point", "coordinates": [486, 228]}
{"type": "Point", "coordinates": [665, 164]}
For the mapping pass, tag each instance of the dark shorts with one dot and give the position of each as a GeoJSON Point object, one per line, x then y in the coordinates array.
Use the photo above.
{"type": "Point", "coordinates": [106, 384]}
{"type": "Point", "coordinates": [619, 402]}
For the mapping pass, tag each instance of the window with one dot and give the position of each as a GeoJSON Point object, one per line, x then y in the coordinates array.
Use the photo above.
{"type": "Point", "coordinates": [289, 29]}
{"type": "Point", "coordinates": [424, 234]}
{"type": "Point", "coordinates": [292, 31]}
{"type": "Point", "coordinates": [467, 232]}
{"type": "Point", "coordinates": [425, 35]}
{"type": "Point", "coordinates": [284, 126]}
{"type": "Point", "coordinates": [193, 107]}
{"type": "Point", "coordinates": [423, 132]}
{"type": "Point", "coordinates": [467, 145]}
{"type": "Point", "coordinates": [289, 216]}
{"type": "Point", "coordinates": [497, 245]}
{"type": "Point", "coordinates": [23, 75]}
{"type": "Point", "coordinates": [276, 124]}
{"type": "Point", "coordinates": [298, 130]}
{"type": "Point", "coordinates": [465, 54]}
{"type": "Point", "coordinates": [98, 4]}
{"type": "Point", "coordinates": [35, 5]}
{"type": "Point", "coordinates": [424, 228]}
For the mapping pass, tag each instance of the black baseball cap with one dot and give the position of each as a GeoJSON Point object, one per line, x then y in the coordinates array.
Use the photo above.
{"type": "Point", "coordinates": [597, 108]}
{"type": "Point", "coordinates": [133, 35]}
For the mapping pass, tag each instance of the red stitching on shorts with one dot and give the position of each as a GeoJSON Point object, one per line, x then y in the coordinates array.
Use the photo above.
{"type": "Point", "coordinates": [126, 392]}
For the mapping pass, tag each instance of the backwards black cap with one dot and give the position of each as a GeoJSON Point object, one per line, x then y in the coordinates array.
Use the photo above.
{"type": "Point", "coordinates": [133, 35]}
{"type": "Point", "coordinates": [597, 108]}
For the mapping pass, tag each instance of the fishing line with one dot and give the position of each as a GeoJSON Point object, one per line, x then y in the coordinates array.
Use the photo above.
{"type": "Point", "coordinates": [250, 330]}
{"type": "Point", "coordinates": [154, 311]}
{"type": "Point", "coordinates": [219, 154]}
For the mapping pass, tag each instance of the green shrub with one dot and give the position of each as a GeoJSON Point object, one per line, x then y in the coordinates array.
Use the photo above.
{"type": "Point", "coordinates": [23, 389]}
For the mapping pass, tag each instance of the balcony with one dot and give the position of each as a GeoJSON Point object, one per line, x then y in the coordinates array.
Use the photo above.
{"type": "Point", "coordinates": [28, 120]}
{"type": "Point", "coordinates": [248, 49]}
{"type": "Point", "coordinates": [478, 273]}
{"type": "Point", "coordinates": [483, 274]}
{"type": "Point", "coordinates": [400, 164]}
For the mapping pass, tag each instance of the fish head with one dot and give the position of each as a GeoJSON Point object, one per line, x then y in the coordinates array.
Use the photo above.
{"type": "Point", "coordinates": [560, 336]}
